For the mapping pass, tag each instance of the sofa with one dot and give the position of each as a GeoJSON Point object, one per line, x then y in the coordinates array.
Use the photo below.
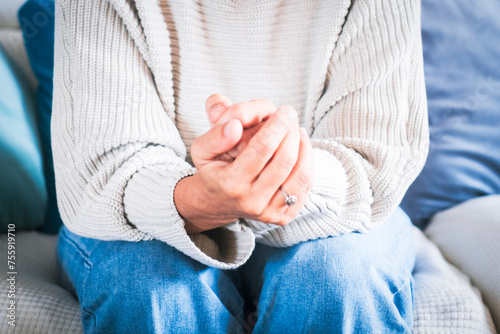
{"type": "Point", "coordinates": [457, 271]}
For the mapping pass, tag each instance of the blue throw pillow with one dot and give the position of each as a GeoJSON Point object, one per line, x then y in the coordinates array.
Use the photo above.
{"type": "Point", "coordinates": [462, 69]}
{"type": "Point", "coordinates": [23, 195]}
{"type": "Point", "coordinates": [37, 22]}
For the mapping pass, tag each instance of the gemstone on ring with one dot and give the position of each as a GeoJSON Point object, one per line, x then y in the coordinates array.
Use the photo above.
{"type": "Point", "coordinates": [289, 199]}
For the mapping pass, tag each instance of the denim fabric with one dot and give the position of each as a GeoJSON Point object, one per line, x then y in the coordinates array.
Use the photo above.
{"type": "Point", "coordinates": [353, 283]}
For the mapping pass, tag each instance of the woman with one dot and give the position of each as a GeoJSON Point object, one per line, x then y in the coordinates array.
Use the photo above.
{"type": "Point", "coordinates": [280, 219]}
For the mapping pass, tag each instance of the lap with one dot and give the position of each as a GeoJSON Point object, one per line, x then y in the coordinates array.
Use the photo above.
{"type": "Point", "coordinates": [388, 247]}
{"type": "Point", "coordinates": [353, 282]}
{"type": "Point", "coordinates": [146, 287]}
{"type": "Point", "coordinates": [135, 274]}
{"type": "Point", "coordinates": [78, 255]}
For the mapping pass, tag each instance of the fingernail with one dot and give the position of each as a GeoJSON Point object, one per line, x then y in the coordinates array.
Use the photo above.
{"type": "Point", "coordinates": [227, 129]}
{"type": "Point", "coordinates": [215, 112]}
{"type": "Point", "coordinates": [291, 112]}
{"type": "Point", "coordinates": [303, 131]}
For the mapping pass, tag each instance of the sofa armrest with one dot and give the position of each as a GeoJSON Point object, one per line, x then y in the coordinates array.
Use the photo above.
{"type": "Point", "coordinates": [468, 236]}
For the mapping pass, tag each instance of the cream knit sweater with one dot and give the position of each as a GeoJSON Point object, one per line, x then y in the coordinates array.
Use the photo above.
{"type": "Point", "coordinates": [131, 79]}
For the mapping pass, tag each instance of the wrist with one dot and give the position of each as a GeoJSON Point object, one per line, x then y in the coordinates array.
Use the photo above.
{"type": "Point", "coordinates": [197, 207]}
{"type": "Point", "coordinates": [187, 199]}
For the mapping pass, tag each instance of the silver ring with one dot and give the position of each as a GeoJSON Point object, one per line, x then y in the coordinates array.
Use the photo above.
{"type": "Point", "coordinates": [289, 199]}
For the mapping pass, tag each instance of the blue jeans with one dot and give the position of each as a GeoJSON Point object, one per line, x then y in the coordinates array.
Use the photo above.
{"type": "Point", "coordinates": [353, 283]}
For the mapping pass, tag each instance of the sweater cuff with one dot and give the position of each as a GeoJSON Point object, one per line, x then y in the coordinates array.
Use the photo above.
{"type": "Point", "coordinates": [337, 204]}
{"type": "Point", "coordinates": [149, 206]}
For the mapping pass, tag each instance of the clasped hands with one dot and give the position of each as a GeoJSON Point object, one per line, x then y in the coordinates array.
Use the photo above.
{"type": "Point", "coordinates": [252, 151]}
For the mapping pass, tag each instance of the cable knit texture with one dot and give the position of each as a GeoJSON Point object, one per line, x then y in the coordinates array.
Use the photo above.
{"type": "Point", "coordinates": [131, 79]}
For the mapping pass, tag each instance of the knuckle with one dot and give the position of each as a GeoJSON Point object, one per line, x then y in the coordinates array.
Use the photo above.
{"type": "Point", "coordinates": [305, 180]}
{"type": "Point", "coordinates": [231, 192]}
{"type": "Point", "coordinates": [230, 188]}
{"type": "Point", "coordinates": [235, 169]}
{"type": "Point", "coordinates": [260, 101]}
{"type": "Point", "coordinates": [252, 208]}
{"type": "Point", "coordinates": [237, 110]}
{"type": "Point", "coordinates": [210, 101]}
{"type": "Point", "coordinates": [281, 120]}
{"type": "Point", "coordinates": [263, 142]}
{"type": "Point", "coordinates": [287, 162]}
{"type": "Point", "coordinates": [269, 104]}
{"type": "Point", "coordinates": [214, 98]}
{"type": "Point", "coordinates": [288, 115]}
{"type": "Point", "coordinates": [235, 191]}
{"type": "Point", "coordinates": [265, 103]}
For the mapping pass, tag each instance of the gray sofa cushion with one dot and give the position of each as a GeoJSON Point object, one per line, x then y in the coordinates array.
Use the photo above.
{"type": "Point", "coordinates": [42, 306]}
{"type": "Point", "coordinates": [445, 300]}
{"type": "Point", "coordinates": [469, 237]}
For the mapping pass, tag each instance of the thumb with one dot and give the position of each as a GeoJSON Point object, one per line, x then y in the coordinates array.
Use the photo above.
{"type": "Point", "coordinates": [216, 141]}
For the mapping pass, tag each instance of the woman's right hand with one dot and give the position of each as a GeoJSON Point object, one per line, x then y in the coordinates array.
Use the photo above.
{"type": "Point", "coordinates": [248, 186]}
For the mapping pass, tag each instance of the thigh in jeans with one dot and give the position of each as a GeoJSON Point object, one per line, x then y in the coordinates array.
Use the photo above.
{"type": "Point", "coordinates": [73, 259]}
{"type": "Point", "coordinates": [352, 283]}
{"type": "Point", "coordinates": [148, 287]}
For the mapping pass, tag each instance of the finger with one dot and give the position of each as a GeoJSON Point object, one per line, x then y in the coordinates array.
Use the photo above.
{"type": "Point", "coordinates": [215, 106]}
{"type": "Point", "coordinates": [281, 165]}
{"type": "Point", "coordinates": [264, 144]}
{"type": "Point", "coordinates": [216, 141]}
{"type": "Point", "coordinates": [298, 183]}
{"type": "Point", "coordinates": [245, 138]}
{"type": "Point", "coordinates": [249, 113]}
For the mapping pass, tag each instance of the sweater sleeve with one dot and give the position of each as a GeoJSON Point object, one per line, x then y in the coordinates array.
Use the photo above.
{"type": "Point", "coordinates": [118, 155]}
{"type": "Point", "coordinates": [370, 133]}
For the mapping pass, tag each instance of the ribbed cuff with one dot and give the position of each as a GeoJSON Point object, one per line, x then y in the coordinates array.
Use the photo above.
{"type": "Point", "coordinates": [334, 207]}
{"type": "Point", "coordinates": [149, 206]}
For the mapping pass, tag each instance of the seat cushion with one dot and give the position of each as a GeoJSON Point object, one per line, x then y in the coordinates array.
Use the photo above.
{"type": "Point", "coordinates": [445, 300]}
{"type": "Point", "coordinates": [41, 305]}
{"type": "Point", "coordinates": [468, 236]}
